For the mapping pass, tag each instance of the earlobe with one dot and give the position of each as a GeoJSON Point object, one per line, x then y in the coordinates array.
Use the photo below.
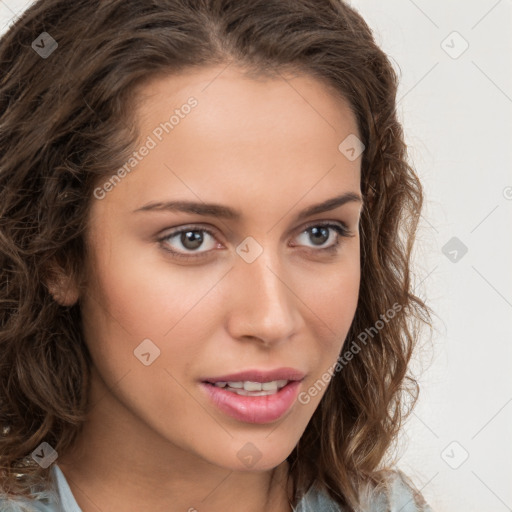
{"type": "Point", "coordinates": [62, 288]}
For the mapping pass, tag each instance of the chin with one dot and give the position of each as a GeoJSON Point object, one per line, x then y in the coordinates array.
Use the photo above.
{"type": "Point", "coordinates": [254, 453]}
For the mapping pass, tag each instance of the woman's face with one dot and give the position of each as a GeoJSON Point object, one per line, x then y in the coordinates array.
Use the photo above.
{"type": "Point", "coordinates": [253, 284]}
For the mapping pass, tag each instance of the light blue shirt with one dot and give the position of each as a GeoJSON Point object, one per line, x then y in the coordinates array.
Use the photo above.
{"type": "Point", "coordinates": [61, 499]}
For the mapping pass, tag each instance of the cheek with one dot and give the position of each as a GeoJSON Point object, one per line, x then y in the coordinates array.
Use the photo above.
{"type": "Point", "coordinates": [330, 304]}
{"type": "Point", "coordinates": [139, 328]}
{"type": "Point", "coordinates": [143, 292]}
{"type": "Point", "coordinates": [138, 296]}
{"type": "Point", "coordinates": [331, 294]}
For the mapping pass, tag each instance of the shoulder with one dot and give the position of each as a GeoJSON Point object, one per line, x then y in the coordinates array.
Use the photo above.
{"type": "Point", "coordinates": [37, 504]}
{"type": "Point", "coordinates": [39, 501]}
{"type": "Point", "coordinates": [395, 493]}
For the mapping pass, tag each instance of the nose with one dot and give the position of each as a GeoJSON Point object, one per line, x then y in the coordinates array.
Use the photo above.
{"type": "Point", "coordinates": [262, 304]}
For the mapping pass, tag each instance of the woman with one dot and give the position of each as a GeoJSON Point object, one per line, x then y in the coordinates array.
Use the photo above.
{"type": "Point", "coordinates": [206, 225]}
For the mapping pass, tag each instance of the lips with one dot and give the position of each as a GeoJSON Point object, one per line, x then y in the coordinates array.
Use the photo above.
{"type": "Point", "coordinates": [235, 394]}
{"type": "Point", "coordinates": [289, 374]}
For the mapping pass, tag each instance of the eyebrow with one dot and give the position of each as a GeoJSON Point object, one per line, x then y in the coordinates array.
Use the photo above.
{"type": "Point", "coordinates": [225, 212]}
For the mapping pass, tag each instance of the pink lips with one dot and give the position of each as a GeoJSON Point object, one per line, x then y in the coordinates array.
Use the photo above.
{"type": "Point", "coordinates": [259, 376]}
{"type": "Point", "coordinates": [255, 409]}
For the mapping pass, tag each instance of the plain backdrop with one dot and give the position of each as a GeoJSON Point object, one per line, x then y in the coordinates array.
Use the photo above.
{"type": "Point", "coordinates": [455, 102]}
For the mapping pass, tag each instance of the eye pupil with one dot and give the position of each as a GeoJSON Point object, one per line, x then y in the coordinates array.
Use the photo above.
{"type": "Point", "coordinates": [322, 231]}
{"type": "Point", "coordinates": [193, 237]}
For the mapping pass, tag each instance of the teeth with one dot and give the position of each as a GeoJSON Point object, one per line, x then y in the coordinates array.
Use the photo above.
{"type": "Point", "coordinates": [253, 386]}
{"type": "Point", "coordinates": [249, 388]}
{"type": "Point", "coordinates": [268, 386]}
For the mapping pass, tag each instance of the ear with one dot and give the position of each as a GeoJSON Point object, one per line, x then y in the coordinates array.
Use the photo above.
{"type": "Point", "coordinates": [62, 286]}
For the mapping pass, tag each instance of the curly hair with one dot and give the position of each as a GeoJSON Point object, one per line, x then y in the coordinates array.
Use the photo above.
{"type": "Point", "coordinates": [67, 120]}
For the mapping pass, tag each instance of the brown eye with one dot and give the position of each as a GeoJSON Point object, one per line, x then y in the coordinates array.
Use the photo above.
{"type": "Point", "coordinates": [320, 234]}
{"type": "Point", "coordinates": [187, 241]}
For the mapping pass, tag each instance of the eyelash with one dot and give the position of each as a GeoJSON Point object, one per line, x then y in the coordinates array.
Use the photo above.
{"type": "Point", "coordinates": [341, 229]}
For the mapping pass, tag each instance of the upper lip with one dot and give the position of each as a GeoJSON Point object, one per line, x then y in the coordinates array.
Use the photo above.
{"type": "Point", "coordinates": [259, 376]}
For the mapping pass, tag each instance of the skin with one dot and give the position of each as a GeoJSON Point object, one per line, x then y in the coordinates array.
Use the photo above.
{"type": "Point", "coordinates": [267, 147]}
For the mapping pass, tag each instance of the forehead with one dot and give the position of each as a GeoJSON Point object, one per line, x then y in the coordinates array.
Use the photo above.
{"type": "Point", "coordinates": [243, 138]}
{"type": "Point", "coordinates": [247, 100]}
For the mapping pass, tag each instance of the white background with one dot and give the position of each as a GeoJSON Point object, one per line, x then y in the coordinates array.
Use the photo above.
{"type": "Point", "coordinates": [456, 109]}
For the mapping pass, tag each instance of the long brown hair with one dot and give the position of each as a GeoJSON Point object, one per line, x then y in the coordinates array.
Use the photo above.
{"type": "Point", "coordinates": [66, 119]}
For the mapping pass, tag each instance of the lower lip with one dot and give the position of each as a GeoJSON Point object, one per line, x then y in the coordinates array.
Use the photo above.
{"type": "Point", "coordinates": [254, 409]}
